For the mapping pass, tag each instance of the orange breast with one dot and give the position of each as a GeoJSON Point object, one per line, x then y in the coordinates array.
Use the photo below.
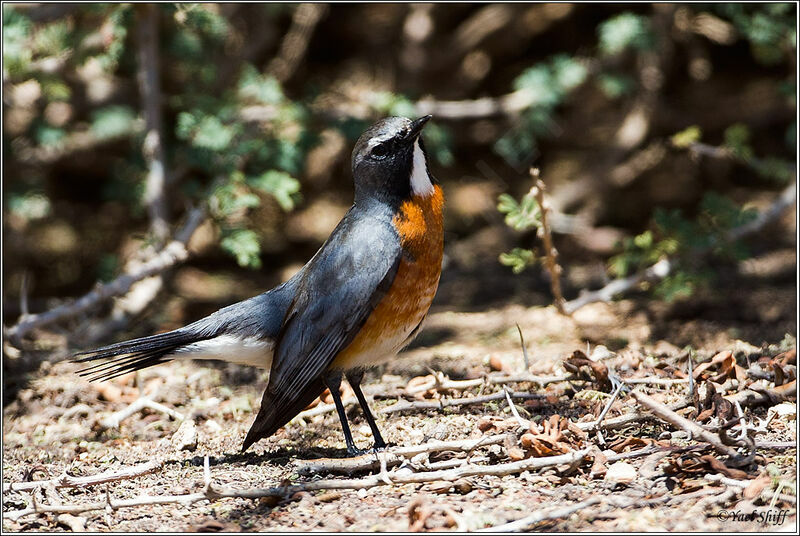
{"type": "Point", "coordinates": [386, 331]}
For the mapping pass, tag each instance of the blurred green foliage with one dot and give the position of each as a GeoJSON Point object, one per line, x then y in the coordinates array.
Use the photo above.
{"type": "Point", "coordinates": [770, 31]}
{"type": "Point", "coordinates": [239, 139]}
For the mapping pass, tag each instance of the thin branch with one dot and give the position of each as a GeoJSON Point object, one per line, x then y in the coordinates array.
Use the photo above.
{"type": "Point", "coordinates": [295, 43]}
{"type": "Point", "coordinates": [441, 404]}
{"type": "Point", "coordinates": [212, 492]}
{"type": "Point", "coordinates": [393, 456]}
{"type": "Point", "coordinates": [524, 349]}
{"type": "Point", "coordinates": [664, 413]}
{"type": "Point", "coordinates": [150, 92]}
{"type": "Point", "coordinates": [550, 253]}
{"type": "Point", "coordinates": [526, 523]}
{"type": "Point", "coordinates": [624, 420]}
{"type": "Point", "coordinates": [664, 267]}
{"type": "Point", "coordinates": [172, 254]}
{"type": "Point", "coordinates": [69, 481]}
{"type": "Point", "coordinates": [509, 104]}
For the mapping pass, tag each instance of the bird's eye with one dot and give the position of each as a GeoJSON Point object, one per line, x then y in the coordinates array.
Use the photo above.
{"type": "Point", "coordinates": [380, 151]}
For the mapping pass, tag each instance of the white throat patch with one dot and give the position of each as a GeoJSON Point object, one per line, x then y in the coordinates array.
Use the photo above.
{"type": "Point", "coordinates": [420, 180]}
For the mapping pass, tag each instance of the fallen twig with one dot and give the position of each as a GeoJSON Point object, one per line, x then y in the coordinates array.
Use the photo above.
{"type": "Point", "coordinates": [393, 456]}
{"type": "Point", "coordinates": [212, 492]}
{"type": "Point", "coordinates": [69, 481]}
{"type": "Point", "coordinates": [664, 413]}
{"type": "Point", "coordinates": [554, 513]}
{"type": "Point", "coordinates": [145, 401]}
{"type": "Point", "coordinates": [623, 420]}
{"type": "Point", "coordinates": [441, 404]}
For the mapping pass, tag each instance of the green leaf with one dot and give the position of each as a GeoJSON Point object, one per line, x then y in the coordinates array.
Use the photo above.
{"type": "Point", "coordinates": [210, 133]}
{"type": "Point", "coordinates": [49, 136]}
{"type": "Point", "coordinates": [615, 86]}
{"type": "Point", "coordinates": [623, 31]}
{"type": "Point", "coordinates": [243, 244]}
{"type": "Point", "coordinates": [519, 216]}
{"type": "Point", "coordinates": [518, 259]}
{"type": "Point", "coordinates": [282, 186]}
{"type": "Point", "coordinates": [737, 139]}
{"type": "Point", "coordinates": [112, 121]}
{"type": "Point", "coordinates": [264, 89]}
{"type": "Point", "coordinates": [687, 136]}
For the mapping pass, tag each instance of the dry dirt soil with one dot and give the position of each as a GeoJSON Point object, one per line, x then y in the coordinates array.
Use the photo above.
{"type": "Point", "coordinates": [53, 425]}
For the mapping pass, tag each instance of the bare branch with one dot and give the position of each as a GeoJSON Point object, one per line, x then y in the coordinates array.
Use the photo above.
{"type": "Point", "coordinates": [173, 253]}
{"type": "Point", "coordinates": [150, 93]}
{"type": "Point", "coordinates": [528, 522]}
{"type": "Point", "coordinates": [69, 481]}
{"type": "Point", "coordinates": [550, 253]}
{"type": "Point", "coordinates": [441, 404]}
{"type": "Point", "coordinates": [664, 413]}
{"type": "Point", "coordinates": [393, 456]}
{"type": "Point", "coordinates": [212, 492]}
{"type": "Point", "coordinates": [295, 43]}
{"type": "Point", "coordinates": [664, 267]}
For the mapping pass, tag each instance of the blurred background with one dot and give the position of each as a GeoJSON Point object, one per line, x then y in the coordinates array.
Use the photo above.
{"type": "Point", "coordinates": [656, 129]}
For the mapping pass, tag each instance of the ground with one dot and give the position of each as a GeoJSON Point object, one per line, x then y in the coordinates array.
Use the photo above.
{"type": "Point", "coordinates": [54, 425]}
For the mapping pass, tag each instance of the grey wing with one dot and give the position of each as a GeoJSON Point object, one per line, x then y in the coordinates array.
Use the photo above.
{"type": "Point", "coordinates": [346, 281]}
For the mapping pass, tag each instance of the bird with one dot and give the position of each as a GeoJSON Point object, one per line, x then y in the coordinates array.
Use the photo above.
{"type": "Point", "coordinates": [356, 303]}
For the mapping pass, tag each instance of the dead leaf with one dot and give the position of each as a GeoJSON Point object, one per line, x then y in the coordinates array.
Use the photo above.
{"type": "Point", "coordinates": [719, 467]}
{"type": "Point", "coordinates": [418, 514]}
{"type": "Point", "coordinates": [599, 464]}
{"type": "Point", "coordinates": [599, 370]}
{"type": "Point", "coordinates": [755, 487]}
{"type": "Point", "coordinates": [497, 364]}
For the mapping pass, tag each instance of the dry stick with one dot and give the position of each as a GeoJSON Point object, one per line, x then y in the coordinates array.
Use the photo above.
{"type": "Point", "coordinates": [211, 492]}
{"type": "Point", "coordinates": [509, 104]}
{"type": "Point", "coordinates": [524, 349]}
{"type": "Point", "coordinates": [172, 254]}
{"type": "Point", "coordinates": [448, 475]}
{"type": "Point", "coordinates": [144, 401]}
{"type": "Point", "coordinates": [550, 253]}
{"type": "Point", "coordinates": [657, 381]}
{"type": "Point", "coordinates": [295, 43]}
{"type": "Point", "coordinates": [441, 404]}
{"type": "Point", "coordinates": [523, 423]}
{"type": "Point", "coordinates": [624, 420]}
{"type": "Point", "coordinates": [441, 383]}
{"type": "Point", "coordinates": [602, 415]}
{"type": "Point", "coordinates": [664, 413]}
{"type": "Point", "coordinates": [526, 523]}
{"type": "Point", "coordinates": [394, 456]}
{"type": "Point", "coordinates": [662, 268]}
{"type": "Point", "coordinates": [69, 481]}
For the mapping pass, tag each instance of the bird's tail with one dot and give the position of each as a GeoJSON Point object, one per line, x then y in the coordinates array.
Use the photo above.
{"type": "Point", "coordinates": [135, 354]}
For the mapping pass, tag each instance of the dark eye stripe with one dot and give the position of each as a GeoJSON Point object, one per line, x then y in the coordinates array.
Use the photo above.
{"type": "Point", "coordinates": [380, 150]}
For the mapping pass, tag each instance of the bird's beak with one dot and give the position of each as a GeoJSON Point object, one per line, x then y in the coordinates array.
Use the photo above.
{"type": "Point", "coordinates": [416, 127]}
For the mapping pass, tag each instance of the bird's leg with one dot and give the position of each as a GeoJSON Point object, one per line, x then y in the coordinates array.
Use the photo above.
{"type": "Point", "coordinates": [354, 378]}
{"type": "Point", "coordinates": [333, 380]}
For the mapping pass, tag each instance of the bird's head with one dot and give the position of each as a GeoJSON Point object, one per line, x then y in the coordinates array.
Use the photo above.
{"type": "Point", "coordinates": [389, 161]}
